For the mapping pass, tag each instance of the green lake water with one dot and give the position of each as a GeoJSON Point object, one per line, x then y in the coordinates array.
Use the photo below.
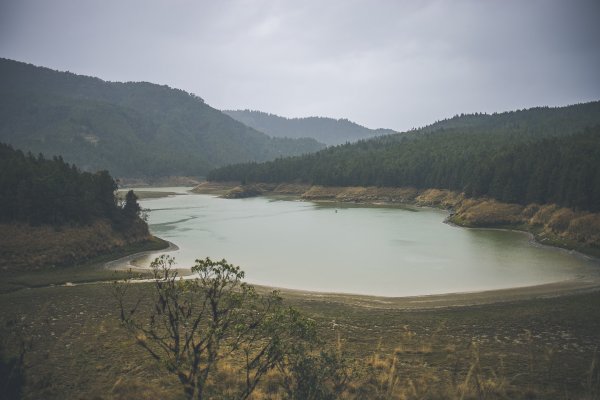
{"type": "Point", "coordinates": [365, 250]}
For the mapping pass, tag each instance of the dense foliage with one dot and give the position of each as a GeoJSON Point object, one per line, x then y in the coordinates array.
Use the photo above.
{"type": "Point", "coordinates": [326, 130]}
{"type": "Point", "coordinates": [37, 190]}
{"type": "Point", "coordinates": [132, 129]}
{"type": "Point", "coordinates": [523, 157]}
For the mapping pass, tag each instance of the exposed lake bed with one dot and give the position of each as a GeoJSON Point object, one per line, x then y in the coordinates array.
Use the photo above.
{"type": "Point", "coordinates": [344, 248]}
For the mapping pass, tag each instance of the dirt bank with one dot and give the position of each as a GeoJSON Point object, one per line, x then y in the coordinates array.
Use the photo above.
{"type": "Point", "coordinates": [24, 247]}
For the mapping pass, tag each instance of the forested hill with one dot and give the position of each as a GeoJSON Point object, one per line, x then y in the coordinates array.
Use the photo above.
{"type": "Point", "coordinates": [131, 129]}
{"type": "Point", "coordinates": [326, 130]}
{"type": "Point", "coordinates": [542, 155]}
{"type": "Point", "coordinates": [533, 122]}
{"type": "Point", "coordinates": [40, 191]}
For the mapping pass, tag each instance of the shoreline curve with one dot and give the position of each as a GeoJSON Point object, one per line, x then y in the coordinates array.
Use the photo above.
{"type": "Point", "coordinates": [569, 287]}
{"type": "Point", "coordinates": [581, 284]}
{"type": "Point", "coordinates": [116, 264]}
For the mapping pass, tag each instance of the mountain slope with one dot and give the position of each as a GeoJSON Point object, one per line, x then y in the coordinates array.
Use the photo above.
{"type": "Point", "coordinates": [541, 155]}
{"type": "Point", "coordinates": [131, 129]}
{"type": "Point", "coordinates": [533, 122]}
{"type": "Point", "coordinates": [325, 130]}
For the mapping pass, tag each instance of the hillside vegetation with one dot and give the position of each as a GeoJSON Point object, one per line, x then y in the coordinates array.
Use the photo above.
{"type": "Point", "coordinates": [326, 130]}
{"type": "Point", "coordinates": [52, 214]}
{"type": "Point", "coordinates": [133, 129]}
{"type": "Point", "coordinates": [542, 155]}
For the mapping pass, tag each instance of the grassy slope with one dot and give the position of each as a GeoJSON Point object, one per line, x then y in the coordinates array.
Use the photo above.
{"type": "Point", "coordinates": [43, 255]}
{"type": "Point", "coordinates": [25, 247]}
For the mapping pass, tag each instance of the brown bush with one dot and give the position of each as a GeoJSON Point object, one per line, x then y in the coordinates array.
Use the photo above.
{"type": "Point", "coordinates": [560, 219]}
{"type": "Point", "coordinates": [440, 197]}
{"type": "Point", "coordinates": [321, 193]}
{"type": "Point", "coordinates": [585, 228]}
{"type": "Point", "coordinates": [490, 213]}
{"type": "Point", "coordinates": [530, 210]}
{"type": "Point", "coordinates": [543, 215]}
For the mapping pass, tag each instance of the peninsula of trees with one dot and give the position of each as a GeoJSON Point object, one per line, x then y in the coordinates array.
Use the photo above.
{"type": "Point", "coordinates": [53, 214]}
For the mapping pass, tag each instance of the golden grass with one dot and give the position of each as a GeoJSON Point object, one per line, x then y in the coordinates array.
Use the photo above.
{"type": "Point", "coordinates": [489, 213]}
{"type": "Point", "coordinates": [439, 197]}
{"type": "Point", "coordinates": [32, 247]}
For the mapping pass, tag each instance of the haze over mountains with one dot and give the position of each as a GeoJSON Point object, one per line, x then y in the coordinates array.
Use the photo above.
{"type": "Point", "coordinates": [133, 129]}
{"type": "Point", "coordinates": [326, 130]}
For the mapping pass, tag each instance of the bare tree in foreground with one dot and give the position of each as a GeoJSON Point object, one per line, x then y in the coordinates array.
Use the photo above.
{"type": "Point", "coordinates": [196, 324]}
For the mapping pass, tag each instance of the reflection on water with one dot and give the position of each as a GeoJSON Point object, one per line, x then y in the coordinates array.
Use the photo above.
{"type": "Point", "coordinates": [341, 248]}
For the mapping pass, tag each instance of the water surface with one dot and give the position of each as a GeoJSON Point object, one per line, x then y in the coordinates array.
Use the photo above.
{"type": "Point", "coordinates": [365, 250]}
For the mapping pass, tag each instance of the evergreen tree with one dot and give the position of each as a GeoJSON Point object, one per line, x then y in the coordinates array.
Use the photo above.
{"type": "Point", "coordinates": [39, 191]}
{"type": "Point", "coordinates": [131, 209]}
{"type": "Point", "coordinates": [562, 169]}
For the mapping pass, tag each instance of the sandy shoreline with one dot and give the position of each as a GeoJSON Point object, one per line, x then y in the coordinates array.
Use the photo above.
{"type": "Point", "coordinates": [125, 263]}
{"type": "Point", "coordinates": [589, 282]}
{"type": "Point", "coordinates": [570, 287]}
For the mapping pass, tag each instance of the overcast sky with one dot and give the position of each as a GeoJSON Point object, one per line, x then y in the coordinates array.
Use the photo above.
{"type": "Point", "coordinates": [392, 64]}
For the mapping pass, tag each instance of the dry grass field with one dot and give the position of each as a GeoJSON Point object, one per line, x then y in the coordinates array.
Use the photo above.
{"type": "Point", "coordinates": [76, 348]}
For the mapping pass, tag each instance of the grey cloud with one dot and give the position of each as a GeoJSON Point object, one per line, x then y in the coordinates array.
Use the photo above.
{"type": "Point", "coordinates": [396, 64]}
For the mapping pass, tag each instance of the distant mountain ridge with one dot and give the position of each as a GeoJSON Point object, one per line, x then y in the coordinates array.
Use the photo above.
{"type": "Point", "coordinates": [535, 121]}
{"type": "Point", "coordinates": [325, 130]}
{"type": "Point", "coordinates": [131, 129]}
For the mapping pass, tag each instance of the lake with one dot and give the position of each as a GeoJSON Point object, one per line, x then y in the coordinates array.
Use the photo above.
{"type": "Point", "coordinates": [385, 251]}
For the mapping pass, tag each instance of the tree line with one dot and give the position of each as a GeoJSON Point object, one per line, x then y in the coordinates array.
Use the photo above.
{"type": "Point", "coordinates": [516, 165]}
{"type": "Point", "coordinates": [37, 190]}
